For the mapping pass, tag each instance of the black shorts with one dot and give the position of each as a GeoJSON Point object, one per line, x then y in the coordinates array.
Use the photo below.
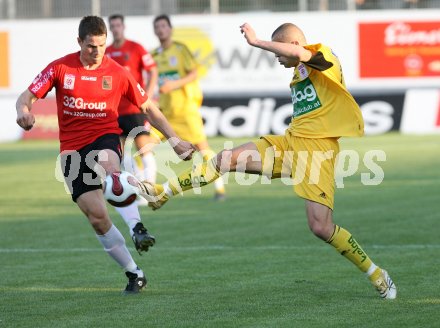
{"type": "Point", "coordinates": [79, 174]}
{"type": "Point", "coordinates": [134, 121]}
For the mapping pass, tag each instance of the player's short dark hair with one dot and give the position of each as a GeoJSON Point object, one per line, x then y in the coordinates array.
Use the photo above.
{"type": "Point", "coordinates": [116, 16]}
{"type": "Point", "coordinates": [281, 29]}
{"type": "Point", "coordinates": [91, 25]}
{"type": "Point", "coordinates": [162, 17]}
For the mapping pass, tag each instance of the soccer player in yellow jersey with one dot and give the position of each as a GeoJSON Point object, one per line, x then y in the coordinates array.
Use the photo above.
{"type": "Point", "coordinates": [323, 111]}
{"type": "Point", "coordinates": [180, 96]}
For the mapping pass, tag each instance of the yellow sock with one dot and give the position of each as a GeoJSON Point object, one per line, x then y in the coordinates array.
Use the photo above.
{"type": "Point", "coordinates": [347, 246]}
{"type": "Point", "coordinates": [196, 176]}
{"type": "Point", "coordinates": [376, 274]}
{"type": "Point", "coordinates": [219, 185]}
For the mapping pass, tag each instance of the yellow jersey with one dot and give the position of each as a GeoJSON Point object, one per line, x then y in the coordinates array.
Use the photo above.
{"type": "Point", "coordinates": [322, 105]}
{"type": "Point", "coordinates": [174, 63]}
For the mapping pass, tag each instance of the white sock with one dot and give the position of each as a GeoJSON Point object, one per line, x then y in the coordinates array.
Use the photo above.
{"type": "Point", "coordinates": [219, 185]}
{"type": "Point", "coordinates": [150, 167]}
{"type": "Point", "coordinates": [114, 245]}
{"type": "Point", "coordinates": [138, 271]}
{"type": "Point", "coordinates": [130, 214]}
{"type": "Point", "coordinates": [371, 269]}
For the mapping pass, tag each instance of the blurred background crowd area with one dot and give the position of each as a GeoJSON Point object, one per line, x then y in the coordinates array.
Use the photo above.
{"type": "Point", "coordinates": [21, 9]}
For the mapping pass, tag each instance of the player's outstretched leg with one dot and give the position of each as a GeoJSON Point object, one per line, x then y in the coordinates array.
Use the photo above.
{"type": "Point", "coordinates": [321, 223]}
{"type": "Point", "coordinates": [196, 176]}
{"type": "Point", "coordinates": [202, 174]}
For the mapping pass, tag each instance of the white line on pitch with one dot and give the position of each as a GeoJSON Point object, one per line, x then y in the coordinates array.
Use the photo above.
{"type": "Point", "coordinates": [213, 248]}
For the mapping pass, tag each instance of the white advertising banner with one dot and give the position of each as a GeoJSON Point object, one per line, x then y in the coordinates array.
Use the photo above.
{"type": "Point", "coordinates": [230, 65]}
{"type": "Point", "coordinates": [9, 130]}
{"type": "Point", "coordinates": [232, 68]}
{"type": "Point", "coordinates": [421, 112]}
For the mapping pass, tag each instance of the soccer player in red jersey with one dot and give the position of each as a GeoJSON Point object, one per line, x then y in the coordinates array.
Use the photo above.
{"type": "Point", "coordinates": [89, 86]}
{"type": "Point", "coordinates": [137, 61]}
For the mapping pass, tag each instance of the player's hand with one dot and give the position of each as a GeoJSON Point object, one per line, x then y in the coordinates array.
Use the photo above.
{"type": "Point", "coordinates": [183, 149]}
{"type": "Point", "coordinates": [26, 120]}
{"type": "Point", "coordinates": [249, 33]}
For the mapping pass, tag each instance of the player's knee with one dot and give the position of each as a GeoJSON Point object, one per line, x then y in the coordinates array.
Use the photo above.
{"type": "Point", "coordinates": [318, 231]}
{"type": "Point", "coordinates": [319, 226]}
{"type": "Point", "coordinates": [320, 220]}
{"type": "Point", "coordinates": [99, 220]}
{"type": "Point", "coordinates": [225, 160]}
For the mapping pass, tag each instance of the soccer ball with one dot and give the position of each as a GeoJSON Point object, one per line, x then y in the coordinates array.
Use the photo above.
{"type": "Point", "coordinates": [120, 189]}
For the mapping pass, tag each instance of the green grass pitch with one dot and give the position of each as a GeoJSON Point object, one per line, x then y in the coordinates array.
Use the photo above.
{"type": "Point", "coordinates": [247, 262]}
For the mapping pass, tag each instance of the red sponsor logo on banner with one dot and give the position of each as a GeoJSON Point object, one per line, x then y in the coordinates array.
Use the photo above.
{"type": "Point", "coordinates": [46, 120]}
{"type": "Point", "coordinates": [399, 49]}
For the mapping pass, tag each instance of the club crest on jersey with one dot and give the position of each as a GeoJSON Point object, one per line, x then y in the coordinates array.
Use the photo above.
{"type": "Point", "coordinates": [69, 81]}
{"type": "Point", "coordinates": [302, 70]}
{"type": "Point", "coordinates": [107, 82]}
{"type": "Point", "coordinates": [173, 61]}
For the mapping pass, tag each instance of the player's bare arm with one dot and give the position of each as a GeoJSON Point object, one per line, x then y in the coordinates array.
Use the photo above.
{"type": "Point", "coordinates": [25, 118]}
{"type": "Point", "coordinates": [171, 85]}
{"type": "Point", "coordinates": [153, 74]}
{"type": "Point", "coordinates": [286, 49]}
{"type": "Point", "coordinates": [182, 148]}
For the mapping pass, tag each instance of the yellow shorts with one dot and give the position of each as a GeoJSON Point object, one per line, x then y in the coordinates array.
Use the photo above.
{"type": "Point", "coordinates": [308, 164]}
{"type": "Point", "coordinates": [188, 127]}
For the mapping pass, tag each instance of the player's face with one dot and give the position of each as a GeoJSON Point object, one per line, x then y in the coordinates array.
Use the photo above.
{"type": "Point", "coordinates": [117, 28]}
{"type": "Point", "coordinates": [162, 30]}
{"type": "Point", "coordinates": [287, 62]}
{"type": "Point", "coordinates": [93, 48]}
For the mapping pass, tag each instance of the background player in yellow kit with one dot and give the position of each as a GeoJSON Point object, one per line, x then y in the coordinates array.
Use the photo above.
{"type": "Point", "coordinates": [323, 111]}
{"type": "Point", "coordinates": [180, 96]}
